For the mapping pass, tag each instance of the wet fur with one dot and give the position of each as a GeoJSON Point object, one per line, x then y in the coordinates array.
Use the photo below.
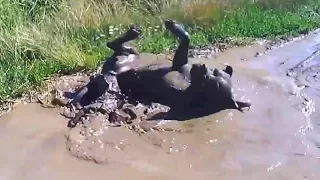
{"type": "Point", "coordinates": [151, 83]}
{"type": "Point", "coordinates": [214, 89]}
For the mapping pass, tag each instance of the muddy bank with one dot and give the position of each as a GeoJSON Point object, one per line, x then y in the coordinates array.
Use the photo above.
{"type": "Point", "coordinates": [268, 142]}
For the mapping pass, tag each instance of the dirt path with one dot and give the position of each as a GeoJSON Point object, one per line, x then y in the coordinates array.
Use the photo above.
{"type": "Point", "coordinates": [271, 141]}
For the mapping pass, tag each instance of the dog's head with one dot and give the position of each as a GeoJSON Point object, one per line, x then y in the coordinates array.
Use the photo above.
{"type": "Point", "coordinates": [198, 73]}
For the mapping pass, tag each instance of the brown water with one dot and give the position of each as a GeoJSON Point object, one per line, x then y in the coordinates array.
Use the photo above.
{"type": "Point", "coordinates": [276, 139]}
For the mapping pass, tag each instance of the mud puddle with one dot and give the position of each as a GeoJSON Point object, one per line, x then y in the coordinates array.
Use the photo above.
{"type": "Point", "coordinates": [277, 139]}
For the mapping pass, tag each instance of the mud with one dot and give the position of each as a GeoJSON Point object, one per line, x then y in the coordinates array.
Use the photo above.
{"type": "Point", "coordinates": [277, 139]}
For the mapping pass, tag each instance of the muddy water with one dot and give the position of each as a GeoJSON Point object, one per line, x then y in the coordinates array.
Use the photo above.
{"type": "Point", "coordinates": [276, 139]}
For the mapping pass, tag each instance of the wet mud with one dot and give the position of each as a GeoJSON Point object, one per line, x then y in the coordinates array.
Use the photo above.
{"type": "Point", "coordinates": [279, 138]}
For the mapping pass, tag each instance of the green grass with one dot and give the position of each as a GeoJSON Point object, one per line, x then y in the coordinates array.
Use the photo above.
{"type": "Point", "coordinates": [40, 38]}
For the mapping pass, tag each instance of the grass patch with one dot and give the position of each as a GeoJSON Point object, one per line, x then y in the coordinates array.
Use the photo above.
{"type": "Point", "coordinates": [39, 38]}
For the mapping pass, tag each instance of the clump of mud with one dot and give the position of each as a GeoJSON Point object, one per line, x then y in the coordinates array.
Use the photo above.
{"type": "Point", "coordinates": [99, 135]}
{"type": "Point", "coordinates": [82, 141]}
{"type": "Point", "coordinates": [100, 140]}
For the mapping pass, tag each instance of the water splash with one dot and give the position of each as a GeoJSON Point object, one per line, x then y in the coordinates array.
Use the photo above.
{"type": "Point", "coordinates": [308, 107]}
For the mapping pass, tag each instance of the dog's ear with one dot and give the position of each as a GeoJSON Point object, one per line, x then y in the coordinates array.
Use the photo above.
{"type": "Point", "coordinates": [203, 69]}
{"type": "Point", "coordinates": [229, 70]}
